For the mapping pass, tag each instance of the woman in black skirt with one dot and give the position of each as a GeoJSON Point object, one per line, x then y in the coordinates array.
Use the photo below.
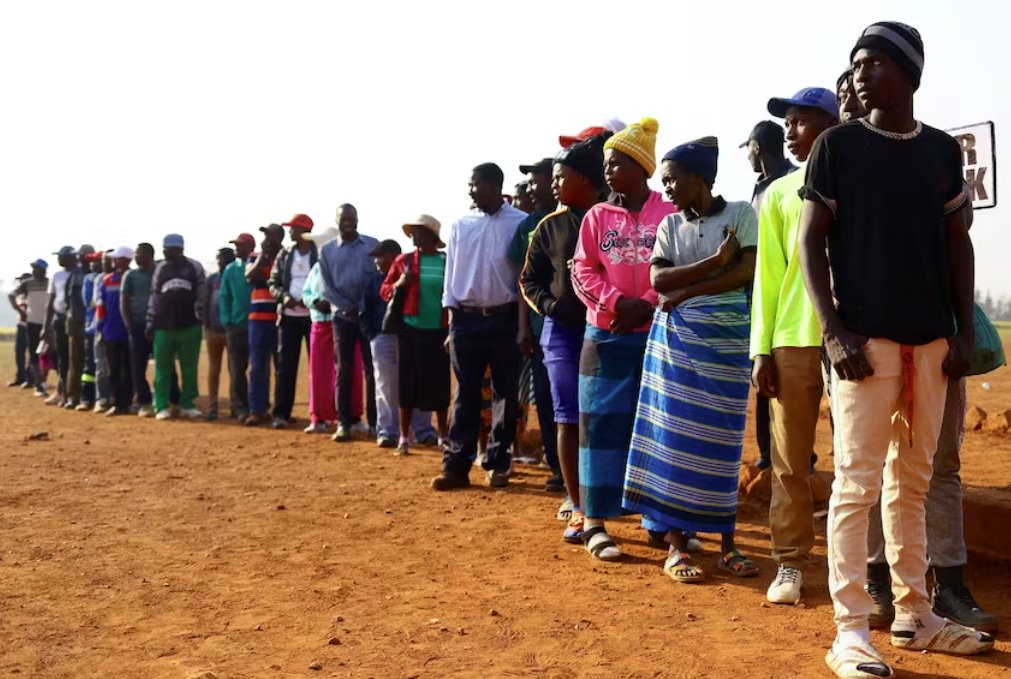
{"type": "Point", "coordinates": [423, 362]}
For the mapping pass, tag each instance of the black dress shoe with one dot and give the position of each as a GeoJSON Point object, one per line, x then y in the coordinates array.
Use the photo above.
{"type": "Point", "coordinates": [956, 603]}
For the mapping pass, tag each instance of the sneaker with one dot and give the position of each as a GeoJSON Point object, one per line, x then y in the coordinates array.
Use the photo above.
{"type": "Point", "coordinates": [14, 383]}
{"type": "Point", "coordinates": [952, 638]}
{"type": "Point", "coordinates": [164, 415]}
{"type": "Point", "coordinates": [785, 589]}
{"type": "Point", "coordinates": [879, 586]}
{"type": "Point", "coordinates": [555, 483]}
{"type": "Point", "coordinates": [497, 479]}
{"type": "Point", "coordinates": [54, 400]}
{"type": "Point", "coordinates": [191, 413]}
{"type": "Point", "coordinates": [402, 449]}
{"type": "Point", "coordinates": [342, 435]}
{"type": "Point", "coordinates": [85, 407]}
{"type": "Point", "coordinates": [279, 423]}
{"type": "Point", "coordinates": [430, 440]}
{"type": "Point", "coordinates": [100, 407]}
{"type": "Point", "coordinates": [71, 405]}
{"type": "Point", "coordinates": [361, 428]}
{"type": "Point", "coordinates": [956, 603]}
{"type": "Point", "coordinates": [212, 415]}
{"type": "Point", "coordinates": [240, 415]}
{"type": "Point", "coordinates": [41, 392]}
{"type": "Point", "coordinates": [145, 411]}
{"type": "Point", "coordinates": [114, 411]}
{"type": "Point", "coordinates": [254, 419]}
{"type": "Point", "coordinates": [386, 442]}
{"type": "Point", "coordinates": [134, 408]}
{"type": "Point", "coordinates": [316, 428]}
{"type": "Point", "coordinates": [449, 481]}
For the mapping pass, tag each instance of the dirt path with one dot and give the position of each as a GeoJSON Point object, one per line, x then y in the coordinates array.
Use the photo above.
{"type": "Point", "coordinates": [134, 548]}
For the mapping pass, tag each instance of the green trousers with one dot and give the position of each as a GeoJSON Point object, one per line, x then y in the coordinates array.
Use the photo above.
{"type": "Point", "coordinates": [184, 344]}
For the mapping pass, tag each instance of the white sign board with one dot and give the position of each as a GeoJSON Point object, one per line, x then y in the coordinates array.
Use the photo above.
{"type": "Point", "coordinates": [979, 161]}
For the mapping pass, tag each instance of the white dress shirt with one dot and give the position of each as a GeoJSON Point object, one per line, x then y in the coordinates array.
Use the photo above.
{"type": "Point", "coordinates": [479, 272]}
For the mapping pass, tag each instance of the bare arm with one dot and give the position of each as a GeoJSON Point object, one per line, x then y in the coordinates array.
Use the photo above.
{"type": "Point", "coordinates": [737, 276]}
{"type": "Point", "coordinates": [845, 349]}
{"type": "Point", "coordinates": [962, 262]}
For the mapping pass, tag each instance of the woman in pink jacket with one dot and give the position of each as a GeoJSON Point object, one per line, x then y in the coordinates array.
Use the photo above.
{"type": "Point", "coordinates": [610, 274]}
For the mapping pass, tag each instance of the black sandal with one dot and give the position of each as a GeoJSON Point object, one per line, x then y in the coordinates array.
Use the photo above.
{"type": "Point", "coordinates": [599, 544]}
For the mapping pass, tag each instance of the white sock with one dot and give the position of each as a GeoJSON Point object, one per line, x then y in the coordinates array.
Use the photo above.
{"type": "Point", "coordinates": [852, 637]}
{"type": "Point", "coordinates": [923, 625]}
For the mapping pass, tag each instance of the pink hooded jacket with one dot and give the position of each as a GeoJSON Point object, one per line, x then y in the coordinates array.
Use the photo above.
{"type": "Point", "coordinates": [612, 257]}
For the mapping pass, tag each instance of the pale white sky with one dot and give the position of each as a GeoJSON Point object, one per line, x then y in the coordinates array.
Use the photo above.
{"type": "Point", "coordinates": [123, 121]}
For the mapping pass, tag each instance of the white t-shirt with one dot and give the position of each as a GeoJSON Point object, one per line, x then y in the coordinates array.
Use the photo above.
{"type": "Point", "coordinates": [300, 265]}
{"type": "Point", "coordinates": [58, 289]}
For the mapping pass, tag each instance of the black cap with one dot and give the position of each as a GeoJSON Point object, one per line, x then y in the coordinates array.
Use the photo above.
{"type": "Point", "coordinates": [766, 133]}
{"type": "Point", "coordinates": [276, 228]}
{"type": "Point", "coordinates": [586, 158]}
{"type": "Point", "coordinates": [542, 166]}
{"type": "Point", "coordinates": [386, 247]}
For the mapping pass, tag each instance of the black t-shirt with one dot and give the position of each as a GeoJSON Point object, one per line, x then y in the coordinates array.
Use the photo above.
{"type": "Point", "coordinates": [887, 244]}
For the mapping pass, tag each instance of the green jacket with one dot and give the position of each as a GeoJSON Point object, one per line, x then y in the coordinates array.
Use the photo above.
{"type": "Point", "coordinates": [235, 293]}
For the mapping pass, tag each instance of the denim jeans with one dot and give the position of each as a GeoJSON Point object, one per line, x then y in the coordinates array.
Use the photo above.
{"type": "Point", "coordinates": [384, 367]}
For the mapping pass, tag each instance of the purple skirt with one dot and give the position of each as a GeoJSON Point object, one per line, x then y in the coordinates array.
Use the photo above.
{"type": "Point", "coordinates": [561, 345]}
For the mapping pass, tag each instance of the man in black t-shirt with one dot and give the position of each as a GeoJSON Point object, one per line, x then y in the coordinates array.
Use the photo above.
{"type": "Point", "coordinates": [885, 194]}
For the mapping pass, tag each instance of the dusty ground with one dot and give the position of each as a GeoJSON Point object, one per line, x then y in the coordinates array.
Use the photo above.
{"type": "Point", "coordinates": [134, 548]}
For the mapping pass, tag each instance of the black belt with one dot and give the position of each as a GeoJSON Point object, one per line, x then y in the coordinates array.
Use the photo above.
{"type": "Point", "coordinates": [500, 310]}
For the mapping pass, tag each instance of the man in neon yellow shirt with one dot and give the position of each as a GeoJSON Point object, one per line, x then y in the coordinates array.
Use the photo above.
{"type": "Point", "coordinates": [786, 344]}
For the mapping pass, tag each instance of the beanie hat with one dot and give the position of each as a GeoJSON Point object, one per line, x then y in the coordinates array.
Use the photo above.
{"type": "Point", "coordinates": [900, 42]}
{"type": "Point", "coordinates": [697, 156]}
{"type": "Point", "coordinates": [638, 141]}
{"type": "Point", "coordinates": [586, 158]}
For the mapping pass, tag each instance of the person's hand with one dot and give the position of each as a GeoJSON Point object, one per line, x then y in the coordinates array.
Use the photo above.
{"type": "Point", "coordinates": [846, 354]}
{"type": "Point", "coordinates": [669, 300]}
{"type": "Point", "coordinates": [291, 303]}
{"type": "Point", "coordinates": [322, 305]}
{"type": "Point", "coordinates": [726, 254]}
{"type": "Point", "coordinates": [765, 376]}
{"type": "Point", "coordinates": [956, 363]}
{"type": "Point", "coordinates": [22, 315]}
{"type": "Point", "coordinates": [405, 279]}
{"type": "Point", "coordinates": [448, 344]}
{"type": "Point", "coordinates": [629, 315]}
{"type": "Point", "coordinates": [525, 341]}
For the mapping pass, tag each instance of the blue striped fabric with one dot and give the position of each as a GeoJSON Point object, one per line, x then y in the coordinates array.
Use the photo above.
{"type": "Point", "coordinates": [609, 370]}
{"type": "Point", "coordinates": [685, 454]}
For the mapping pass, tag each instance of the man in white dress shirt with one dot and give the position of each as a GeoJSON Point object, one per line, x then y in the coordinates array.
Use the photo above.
{"type": "Point", "coordinates": [481, 296]}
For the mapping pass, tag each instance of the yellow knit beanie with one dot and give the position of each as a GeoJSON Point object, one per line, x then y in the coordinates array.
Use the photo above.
{"type": "Point", "coordinates": [638, 141]}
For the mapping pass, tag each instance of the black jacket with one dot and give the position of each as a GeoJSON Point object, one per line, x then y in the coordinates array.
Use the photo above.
{"type": "Point", "coordinates": [280, 274]}
{"type": "Point", "coordinates": [546, 280]}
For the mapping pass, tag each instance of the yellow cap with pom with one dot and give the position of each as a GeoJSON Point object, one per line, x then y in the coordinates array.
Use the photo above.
{"type": "Point", "coordinates": [638, 141]}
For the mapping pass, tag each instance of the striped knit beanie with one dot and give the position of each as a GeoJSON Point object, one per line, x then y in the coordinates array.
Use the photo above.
{"type": "Point", "coordinates": [699, 156]}
{"type": "Point", "coordinates": [900, 42]}
{"type": "Point", "coordinates": [638, 141]}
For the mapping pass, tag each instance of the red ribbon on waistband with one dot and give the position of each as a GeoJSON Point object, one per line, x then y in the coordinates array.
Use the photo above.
{"type": "Point", "coordinates": [908, 379]}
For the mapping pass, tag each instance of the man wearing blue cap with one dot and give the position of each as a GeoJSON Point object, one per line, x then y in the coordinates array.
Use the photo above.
{"type": "Point", "coordinates": [35, 291]}
{"type": "Point", "coordinates": [174, 315]}
{"type": "Point", "coordinates": [888, 263]}
{"type": "Point", "coordinates": [786, 344]}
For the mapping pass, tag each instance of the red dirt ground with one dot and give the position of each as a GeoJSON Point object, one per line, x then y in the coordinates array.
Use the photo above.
{"type": "Point", "coordinates": [135, 548]}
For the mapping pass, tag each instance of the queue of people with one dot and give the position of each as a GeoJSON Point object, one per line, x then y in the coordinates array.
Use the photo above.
{"type": "Point", "coordinates": [643, 323]}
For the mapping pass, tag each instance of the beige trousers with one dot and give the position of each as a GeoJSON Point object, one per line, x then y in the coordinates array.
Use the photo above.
{"type": "Point", "coordinates": [874, 457]}
{"type": "Point", "coordinates": [794, 419]}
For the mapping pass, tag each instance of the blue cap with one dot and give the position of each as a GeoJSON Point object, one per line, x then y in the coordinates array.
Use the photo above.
{"type": "Point", "coordinates": [809, 97]}
{"type": "Point", "coordinates": [65, 251]}
{"type": "Point", "coordinates": [41, 263]}
{"type": "Point", "coordinates": [173, 240]}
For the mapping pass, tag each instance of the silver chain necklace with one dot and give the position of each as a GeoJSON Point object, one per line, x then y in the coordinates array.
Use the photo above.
{"type": "Point", "coordinates": [901, 136]}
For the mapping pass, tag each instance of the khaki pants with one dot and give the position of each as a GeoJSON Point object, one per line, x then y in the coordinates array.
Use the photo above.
{"type": "Point", "coordinates": [794, 419]}
{"type": "Point", "coordinates": [874, 457]}
{"type": "Point", "coordinates": [217, 343]}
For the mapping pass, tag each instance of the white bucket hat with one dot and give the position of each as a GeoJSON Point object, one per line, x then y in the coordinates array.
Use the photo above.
{"type": "Point", "coordinates": [428, 222]}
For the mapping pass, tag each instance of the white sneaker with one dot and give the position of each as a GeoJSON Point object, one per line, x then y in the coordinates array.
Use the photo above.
{"type": "Point", "coordinates": [191, 413]}
{"type": "Point", "coordinates": [164, 415]}
{"type": "Point", "coordinates": [785, 589]}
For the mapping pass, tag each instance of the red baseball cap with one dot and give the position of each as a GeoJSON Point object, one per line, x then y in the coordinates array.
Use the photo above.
{"type": "Point", "coordinates": [299, 220]}
{"type": "Point", "coordinates": [246, 238]}
{"type": "Point", "coordinates": [568, 140]}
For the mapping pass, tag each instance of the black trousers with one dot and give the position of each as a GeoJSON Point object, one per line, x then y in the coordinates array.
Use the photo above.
{"type": "Point", "coordinates": [292, 332]}
{"type": "Point", "coordinates": [477, 342]}
{"type": "Point", "coordinates": [33, 373]}
{"type": "Point", "coordinates": [346, 336]}
{"type": "Point", "coordinates": [62, 344]}
{"type": "Point", "coordinates": [117, 354]}
{"type": "Point", "coordinates": [763, 429]}
{"type": "Point", "coordinates": [21, 354]}
{"type": "Point", "coordinates": [237, 338]}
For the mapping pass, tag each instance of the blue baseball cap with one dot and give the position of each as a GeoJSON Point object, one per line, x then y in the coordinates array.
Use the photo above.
{"type": "Point", "coordinates": [173, 240]}
{"type": "Point", "coordinates": [65, 251]}
{"type": "Point", "coordinates": [809, 97]}
{"type": "Point", "coordinates": [41, 263]}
